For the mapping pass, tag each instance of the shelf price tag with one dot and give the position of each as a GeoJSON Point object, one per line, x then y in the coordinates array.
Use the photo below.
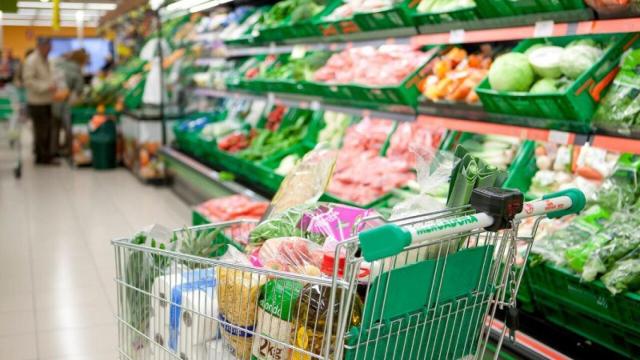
{"type": "Point", "coordinates": [271, 98]}
{"type": "Point", "coordinates": [298, 52]}
{"type": "Point", "coordinates": [314, 105]}
{"type": "Point", "coordinates": [559, 137]}
{"type": "Point", "coordinates": [543, 28]}
{"type": "Point", "coordinates": [272, 48]}
{"type": "Point", "coordinates": [456, 36]}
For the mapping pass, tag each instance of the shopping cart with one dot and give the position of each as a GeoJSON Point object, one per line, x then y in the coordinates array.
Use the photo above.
{"type": "Point", "coordinates": [10, 113]}
{"type": "Point", "coordinates": [423, 287]}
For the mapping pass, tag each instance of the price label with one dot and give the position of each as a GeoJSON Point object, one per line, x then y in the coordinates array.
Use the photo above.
{"type": "Point", "coordinates": [271, 98]}
{"type": "Point", "coordinates": [272, 48]}
{"type": "Point", "coordinates": [543, 28]}
{"type": "Point", "coordinates": [298, 51]}
{"type": "Point", "coordinates": [559, 137]}
{"type": "Point", "coordinates": [456, 36]}
{"type": "Point", "coordinates": [314, 105]}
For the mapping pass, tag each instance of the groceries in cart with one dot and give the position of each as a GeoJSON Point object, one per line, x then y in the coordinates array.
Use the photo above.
{"type": "Point", "coordinates": [321, 280]}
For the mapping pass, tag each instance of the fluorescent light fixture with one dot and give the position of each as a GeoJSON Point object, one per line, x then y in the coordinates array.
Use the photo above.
{"type": "Point", "coordinates": [30, 12]}
{"type": "Point", "coordinates": [100, 6]}
{"type": "Point", "coordinates": [67, 5]}
{"type": "Point", "coordinates": [184, 4]}
{"type": "Point", "coordinates": [208, 5]}
{"type": "Point", "coordinates": [10, 22]}
{"type": "Point", "coordinates": [79, 16]}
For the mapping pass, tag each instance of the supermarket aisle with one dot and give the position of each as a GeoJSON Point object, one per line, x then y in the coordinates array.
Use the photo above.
{"type": "Point", "coordinates": [57, 296]}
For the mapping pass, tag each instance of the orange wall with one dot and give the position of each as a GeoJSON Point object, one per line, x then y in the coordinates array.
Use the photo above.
{"type": "Point", "coordinates": [21, 38]}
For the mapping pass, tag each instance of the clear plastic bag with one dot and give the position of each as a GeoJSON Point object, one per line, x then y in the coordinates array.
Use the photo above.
{"type": "Point", "coordinates": [433, 172]}
{"type": "Point", "coordinates": [624, 276]}
{"type": "Point", "coordinates": [290, 254]}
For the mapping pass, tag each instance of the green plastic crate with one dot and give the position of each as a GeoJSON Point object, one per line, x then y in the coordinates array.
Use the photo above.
{"type": "Point", "coordinates": [605, 333]}
{"type": "Point", "coordinates": [464, 14]}
{"type": "Point", "coordinates": [343, 26]}
{"type": "Point", "coordinates": [405, 93]}
{"type": "Point", "coordinates": [197, 218]}
{"type": "Point", "coordinates": [577, 104]}
{"type": "Point", "coordinates": [301, 29]}
{"type": "Point", "coordinates": [566, 288]}
{"type": "Point", "coordinates": [394, 17]}
{"type": "Point", "coordinates": [502, 8]}
{"type": "Point", "coordinates": [523, 168]}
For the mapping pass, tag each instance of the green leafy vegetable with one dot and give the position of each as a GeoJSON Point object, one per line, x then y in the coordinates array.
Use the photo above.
{"type": "Point", "coordinates": [511, 72]}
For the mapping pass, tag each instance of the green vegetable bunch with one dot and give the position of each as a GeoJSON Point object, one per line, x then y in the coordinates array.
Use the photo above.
{"type": "Point", "coordinates": [298, 69]}
{"type": "Point", "coordinates": [268, 143]}
{"type": "Point", "coordinates": [299, 10]}
{"type": "Point", "coordinates": [140, 272]}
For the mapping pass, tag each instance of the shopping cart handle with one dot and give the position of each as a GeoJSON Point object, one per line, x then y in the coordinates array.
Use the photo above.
{"type": "Point", "coordinates": [383, 241]}
{"type": "Point", "coordinates": [578, 202]}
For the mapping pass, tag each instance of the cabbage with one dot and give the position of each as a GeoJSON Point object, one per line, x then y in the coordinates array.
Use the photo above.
{"type": "Point", "coordinates": [511, 72]}
{"type": "Point", "coordinates": [546, 61]}
{"type": "Point", "coordinates": [544, 86]}
{"type": "Point", "coordinates": [579, 58]}
{"type": "Point", "coordinates": [533, 47]}
{"type": "Point", "coordinates": [587, 42]}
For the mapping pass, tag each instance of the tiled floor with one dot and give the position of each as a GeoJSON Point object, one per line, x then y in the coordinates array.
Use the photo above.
{"type": "Point", "coordinates": [57, 295]}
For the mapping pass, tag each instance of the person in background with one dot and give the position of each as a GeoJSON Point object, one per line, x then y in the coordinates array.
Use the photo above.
{"type": "Point", "coordinates": [68, 69]}
{"type": "Point", "coordinates": [40, 86]}
{"type": "Point", "coordinates": [19, 82]}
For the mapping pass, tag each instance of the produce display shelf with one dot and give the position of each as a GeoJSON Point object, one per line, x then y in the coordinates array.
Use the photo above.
{"type": "Point", "coordinates": [485, 30]}
{"type": "Point", "coordinates": [200, 178]}
{"type": "Point", "coordinates": [393, 112]}
{"type": "Point", "coordinates": [481, 126]}
{"type": "Point", "coordinates": [529, 31]}
{"type": "Point", "coordinates": [616, 143]}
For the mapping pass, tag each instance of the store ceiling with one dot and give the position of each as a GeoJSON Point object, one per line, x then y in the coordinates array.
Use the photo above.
{"type": "Point", "coordinates": [39, 12]}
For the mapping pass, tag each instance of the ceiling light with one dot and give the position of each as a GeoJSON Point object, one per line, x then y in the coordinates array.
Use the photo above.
{"type": "Point", "coordinates": [184, 4]}
{"type": "Point", "coordinates": [208, 5]}
{"type": "Point", "coordinates": [67, 5]}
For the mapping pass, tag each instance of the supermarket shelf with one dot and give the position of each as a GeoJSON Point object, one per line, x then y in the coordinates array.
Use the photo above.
{"type": "Point", "coordinates": [615, 143]}
{"type": "Point", "coordinates": [207, 181]}
{"type": "Point", "coordinates": [394, 112]}
{"type": "Point", "coordinates": [529, 31]}
{"type": "Point", "coordinates": [481, 126]}
{"type": "Point", "coordinates": [574, 22]}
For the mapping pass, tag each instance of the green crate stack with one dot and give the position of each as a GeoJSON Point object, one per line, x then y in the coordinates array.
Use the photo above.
{"type": "Point", "coordinates": [301, 29]}
{"type": "Point", "coordinates": [394, 17]}
{"type": "Point", "coordinates": [576, 104]}
{"type": "Point", "coordinates": [503, 8]}
{"type": "Point", "coordinates": [434, 18]}
{"type": "Point", "coordinates": [588, 309]}
{"type": "Point", "coordinates": [262, 173]}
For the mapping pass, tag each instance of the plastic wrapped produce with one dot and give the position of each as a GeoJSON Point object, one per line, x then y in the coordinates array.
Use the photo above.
{"type": "Point", "coordinates": [393, 63]}
{"type": "Point", "coordinates": [624, 276]}
{"type": "Point", "coordinates": [615, 8]}
{"type": "Point", "coordinates": [290, 254]}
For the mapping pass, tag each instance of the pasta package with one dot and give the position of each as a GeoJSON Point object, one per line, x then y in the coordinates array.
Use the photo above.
{"type": "Point", "coordinates": [238, 294]}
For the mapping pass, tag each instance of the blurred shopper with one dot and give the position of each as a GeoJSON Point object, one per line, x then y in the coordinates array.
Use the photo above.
{"type": "Point", "coordinates": [68, 71]}
{"type": "Point", "coordinates": [8, 65]}
{"type": "Point", "coordinates": [40, 86]}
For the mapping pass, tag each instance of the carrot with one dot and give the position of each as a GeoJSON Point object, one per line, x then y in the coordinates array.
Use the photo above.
{"type": "Point", "coordinates": [589, 173]}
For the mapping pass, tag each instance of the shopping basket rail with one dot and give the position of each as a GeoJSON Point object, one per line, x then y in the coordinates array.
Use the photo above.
{"type": "Point", "coordinates": [390, 239]}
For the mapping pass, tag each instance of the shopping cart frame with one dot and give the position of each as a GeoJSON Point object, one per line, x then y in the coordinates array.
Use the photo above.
{"type": "Point", "coordinates": [434, 239]}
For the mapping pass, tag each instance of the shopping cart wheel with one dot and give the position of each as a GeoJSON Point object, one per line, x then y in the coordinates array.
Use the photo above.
{"type": "Point", "coordinates": [17, 172]}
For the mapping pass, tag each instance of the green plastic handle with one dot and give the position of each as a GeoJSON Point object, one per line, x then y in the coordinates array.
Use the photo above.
{"type": "Point", "coordinates": [383, 241]}
{"type": "Point", "coordinates": [578, 202]}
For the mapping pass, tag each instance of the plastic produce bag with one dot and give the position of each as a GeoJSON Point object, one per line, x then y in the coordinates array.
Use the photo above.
{"type": "Point", "coordinates": [290, 254]}
{"type": "Point", "coordinates": [323, 223]}
{"type": "Point", "coordinates": [306, 183]}
{"type": "Point", "coordinates": [619, 110]}
{"type": "Point", "coordinates": [433, 172]}
{"type": "Point", "coordinates": [581, 230]}
{"type": "Point", "coordinates": [623, 238]}
{"type": "Point", "coordinates": [624, 276]}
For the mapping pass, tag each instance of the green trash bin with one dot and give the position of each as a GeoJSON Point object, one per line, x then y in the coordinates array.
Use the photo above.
{"type": "Point", "coordinates": [103, 146]}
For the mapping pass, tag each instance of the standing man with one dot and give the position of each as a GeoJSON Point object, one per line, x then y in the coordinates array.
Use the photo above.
{"type": "Point", "coordinates": [40, 85]}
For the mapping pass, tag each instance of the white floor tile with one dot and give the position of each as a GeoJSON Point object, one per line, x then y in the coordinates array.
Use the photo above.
{"type": "Point", "coordinates": [18, 347]}
{"type": "Point", "coordinates": [56, 260]}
